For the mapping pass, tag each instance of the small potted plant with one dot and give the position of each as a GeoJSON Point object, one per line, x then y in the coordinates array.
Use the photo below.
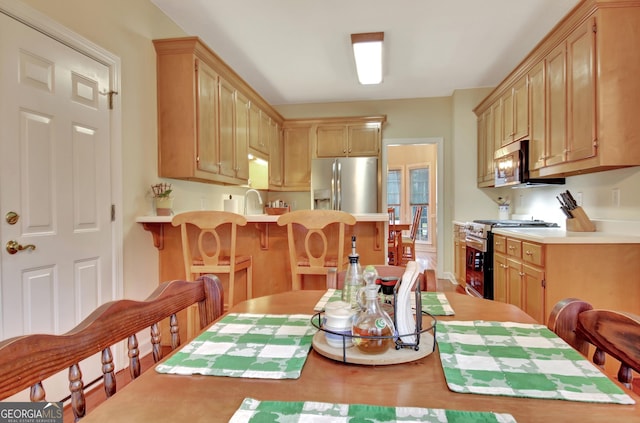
{"type": "Point", "coordinates": [163, 199]}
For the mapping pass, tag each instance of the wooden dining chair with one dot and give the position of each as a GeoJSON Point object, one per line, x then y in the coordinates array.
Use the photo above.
{"type": "Point", "coordinates": [316, 241]}
{"type": "Point", "coordinates": [407, 244]}
{"type": "Point", "coordinates": [209, 246]}
{"type": "Point", "coordinates": [426, 279]}
{"type": "Point", "coordinates": [392, 238]}
{"type": "Point", "coordinates": [26, 361]}
{"type": "Point", "coordinates": [610, 332]}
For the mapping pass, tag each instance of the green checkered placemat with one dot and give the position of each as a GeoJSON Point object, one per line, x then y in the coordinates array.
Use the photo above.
{"type": "Point", "coordinates": [253, 410]}
{"type": "Point", "coordinates": [519, 360]}
{"type": "Point", "coordinates": [263, 346]}
{"type": "Point", "coordinates": [434, 303]}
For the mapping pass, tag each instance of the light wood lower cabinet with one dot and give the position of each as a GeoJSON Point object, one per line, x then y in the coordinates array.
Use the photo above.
{"type": "Point", "coordinates": [518, 275]}
{"type": "Point", "coordinates": [460, 253]}
{"type": "Point", "coordinates": [535, 276]}
{"type": "Point", "coordinates": [500, 278]}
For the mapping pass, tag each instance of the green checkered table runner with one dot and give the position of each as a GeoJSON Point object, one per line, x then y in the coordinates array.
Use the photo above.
{"type": "Point", "coordinates": [263, 346]}
{"type": "Point", "coordinates": [519, 360]}
{"type": "Point", "coordinates": [434, 303]}
{"type": "Point", "coordinates": [253, 410]}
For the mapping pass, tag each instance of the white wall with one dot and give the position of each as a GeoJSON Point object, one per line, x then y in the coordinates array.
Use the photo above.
{"type": "Point", "coordinates": [596, 189]}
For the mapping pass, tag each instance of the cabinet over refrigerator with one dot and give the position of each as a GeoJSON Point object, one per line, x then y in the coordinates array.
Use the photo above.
{"type": "Point", "coordinates": [347, 184]}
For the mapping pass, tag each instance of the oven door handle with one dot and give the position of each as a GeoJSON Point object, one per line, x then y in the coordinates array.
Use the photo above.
{"type": "Point", "coordinates": [476, 245]}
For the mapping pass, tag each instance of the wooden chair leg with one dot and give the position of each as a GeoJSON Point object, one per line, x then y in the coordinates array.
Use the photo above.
{"type": "Point", "coordinates": [232, 284]}
{"type": "Point", "coordinates": [297, 282]}
{"type": "Point", "coordinates": [250, 280]}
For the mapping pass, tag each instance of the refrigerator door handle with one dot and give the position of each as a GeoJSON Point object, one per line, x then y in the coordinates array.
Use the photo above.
{"type": "Point", "coordinates": [339, 186]}
{"type": "Point", "coordinates": [332, 200]}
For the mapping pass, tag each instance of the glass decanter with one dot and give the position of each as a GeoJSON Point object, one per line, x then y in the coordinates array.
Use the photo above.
{"type": "Point", "coordinates": [373, 322]}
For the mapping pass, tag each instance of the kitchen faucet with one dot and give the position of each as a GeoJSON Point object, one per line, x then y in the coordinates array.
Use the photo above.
{"type": "Point", "coordinates": [246, 194]}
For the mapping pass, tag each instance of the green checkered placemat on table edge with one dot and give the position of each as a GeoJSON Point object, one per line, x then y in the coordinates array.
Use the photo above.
{"type": "Point", "coordinates": [262, 346]}
{"type": "Point", "coordinates": [256, 411]}
{"type": "Point", "coordinates": [434, 303]}
{"type": "Point", "coordinates": [519, 360]}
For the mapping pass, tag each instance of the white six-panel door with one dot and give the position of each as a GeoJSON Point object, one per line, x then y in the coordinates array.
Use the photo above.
{"type": "Point", "coordinates": [55, 177]}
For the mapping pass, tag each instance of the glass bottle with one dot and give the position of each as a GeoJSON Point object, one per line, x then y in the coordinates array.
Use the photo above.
{"type": "Point", "coordinates": [373, 321]}
{"type": "Point", "coordinates": [352, 278]}
{"type": "Point", "coordinates": [369, 275]}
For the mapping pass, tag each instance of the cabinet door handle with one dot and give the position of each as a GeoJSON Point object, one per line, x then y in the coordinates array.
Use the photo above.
{"type": "Point", "coordinates": [529, 253]}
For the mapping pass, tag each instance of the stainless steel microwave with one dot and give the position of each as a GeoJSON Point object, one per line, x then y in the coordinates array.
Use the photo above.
{"type": "Point", "coordinates": [512, 167]}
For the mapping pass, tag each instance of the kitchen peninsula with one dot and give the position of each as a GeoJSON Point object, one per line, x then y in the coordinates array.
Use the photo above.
{"type": "Point", "coordinates": [263, 239]}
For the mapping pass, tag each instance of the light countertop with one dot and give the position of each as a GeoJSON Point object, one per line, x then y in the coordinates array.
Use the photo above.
{"type": "Point", "coordinates": [561, 236]}
{"type": "Point", "coordinates": [265, 218]}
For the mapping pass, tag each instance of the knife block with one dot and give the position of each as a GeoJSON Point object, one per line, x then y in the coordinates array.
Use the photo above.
{"type": "Point", "coordinates": [580, 222]}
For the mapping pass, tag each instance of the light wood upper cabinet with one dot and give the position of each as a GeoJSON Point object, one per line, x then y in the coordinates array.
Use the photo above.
{"type": "Point", "coordinates": [209, 120]}
{"type": "Point", "coordinates": [537, 110]}
{"type": "Point", "coordinates": [241, 110]}
{"type": "Point", "coordinates": [498, 127]}
{"type": "Point", "coordinates": [204, 120]}
{"type": "Point", "coordinates": [486, 149]}
{"type": "Point", "coordinates": [348, 139]}
{"type": "Point", "coordinates": [275, 154]}
{"type": "Point", "coordinates": [266, 133]}
{"type": "Point", "coordinates": [482, 143]}
{"type": "Point", "coordinates": [254, 129]}
{"type": "Point", "coordinates": [207, 156]}
{"type": "Point", "coordinates": [331, 140]}
{"type": "Point", "coordinates": [582, 82]}
{"type": "Point", "coordinates": [297, 157]}
{"type": "Point", "coordinates": [364, 139]}
{"type": "Point", "coordinates": [556, 118]}
{"type": "Point", "coordinates": [226, 127]}
{"type": "Point", "coordinates": [581, 92]}
{"type": "Point", "coordinates": [520, 120]}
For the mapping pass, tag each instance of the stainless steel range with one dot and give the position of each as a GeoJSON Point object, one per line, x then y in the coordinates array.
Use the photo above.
{"type": "Point", "coordinates": [479, 256]}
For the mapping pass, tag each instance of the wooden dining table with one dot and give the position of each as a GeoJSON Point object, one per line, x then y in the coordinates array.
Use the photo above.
{"type": "Point", "coordinates": [155, 397]}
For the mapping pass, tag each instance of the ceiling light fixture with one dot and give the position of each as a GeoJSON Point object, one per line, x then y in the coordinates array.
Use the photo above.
{"type": "Point", "coordinates": [367, 50]}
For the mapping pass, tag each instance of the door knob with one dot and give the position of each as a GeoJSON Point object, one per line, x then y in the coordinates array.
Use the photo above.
{"type": "Point", "coordinates": [13, 247]}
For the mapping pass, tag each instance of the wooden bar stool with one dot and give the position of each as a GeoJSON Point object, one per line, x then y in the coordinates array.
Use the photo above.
{"type": "Point", "coordinates": [213, 250]}
{"type": "Point", "coordinates": [392, 238]}
{"type": "Point", "coordinates": [313, 248]}
{"type": "Point", "coordinates": [426, 279]}
{"type": "Point", "coordinates": [407, 245]}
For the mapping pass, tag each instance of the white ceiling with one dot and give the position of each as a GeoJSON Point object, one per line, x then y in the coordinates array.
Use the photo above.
{"type": "Point", "coordinates": [298, 51]}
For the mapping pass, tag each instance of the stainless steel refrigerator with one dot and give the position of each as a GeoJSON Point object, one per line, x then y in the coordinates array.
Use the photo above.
{"type": "Point", "coordinates": [348, 184]}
